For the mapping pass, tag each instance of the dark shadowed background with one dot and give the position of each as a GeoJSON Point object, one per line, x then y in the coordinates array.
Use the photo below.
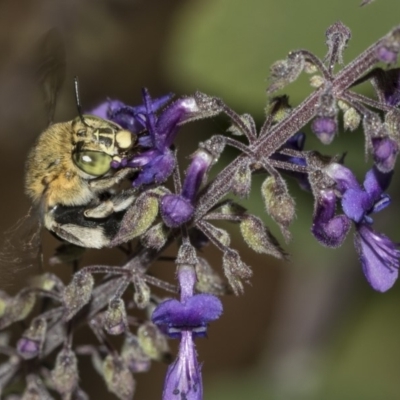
{"type": "Point", "coordinates": [308, 329]}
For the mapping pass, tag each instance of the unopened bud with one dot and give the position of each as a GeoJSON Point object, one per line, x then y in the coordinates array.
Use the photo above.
{"type": "Point", "coordinates": [241, 180]}
{"type": "Point", "coordinates": [134, 355]}
{"type": "Point", "coordinates": [118, 378]}
{"type": "Point", "coordinates": [278, 108]}
{"type": "Point", "coordinates": [138, 219]}
{"type": "Point", "coordinates": [278, 203]}
{"type": "Point", "coordinates": [286, 71]}
{"type": "Point", "coordinates": [153, 342]}
{"type": "Point", "coordinates": [316, 81]}
{"type": "Point", "coordinates": [35, 389]}
{"type": "Point", "coordinates": [186, 255]}
{"type": "Point", "coordinates": [218, 234]}
{"type": "Point", "coordinates": [115, 319]}
{"type": "Point", "coordinates": [337, 36]}
{"type": "Point", "coordinates": [31, 343]}
{"type": "Point", "coordinates": [78, 293]}
{"type": "Point", "coordinates": [65, 374]}
{"type": "Point", "coordinates": [142, 292]}
{"type": "Point", "coordinates": [155, 237]}
{"type": "Point", "coordinates": [235, 270]}
{"type": "Point", "coordinates": [259, 238]}
{"type": "Point", "coordinates": [208, 281]}
{"type": "Point", "coordinates": [351, 119]}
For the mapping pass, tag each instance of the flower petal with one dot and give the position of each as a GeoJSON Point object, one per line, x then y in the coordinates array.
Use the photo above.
{"type": "Point", "coordinates": [197, 311]}
{"type": "Point", "coordinates": [379, 257]}
{"type": "Point", "coordinates": [329, 229]}
{"type": "Point", "coordinates": [356, 203]}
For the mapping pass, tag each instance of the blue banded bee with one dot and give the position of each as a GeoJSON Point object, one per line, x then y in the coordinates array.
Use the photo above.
{"type": "Point", "coordinates": [68, 172]}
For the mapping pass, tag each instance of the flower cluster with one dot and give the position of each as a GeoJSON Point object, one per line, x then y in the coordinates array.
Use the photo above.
{"type": "Point", "coordinates": [153, 215]}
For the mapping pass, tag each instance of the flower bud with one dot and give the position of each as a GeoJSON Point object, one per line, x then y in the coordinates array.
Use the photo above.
{"type": "Point", "coordinates": [5, 302]}
{"type": "Point", "coordinates": [316, 81]}
{"type": "Point", "coordinates": [138, 219]}
{"type": "Point", "coordinates": [247, 120]}
{"type": "Point", "coordinates": [325, 128]}
{"type": "Point", "coordinates": [115, 319]}
{"type": "Point", "coordinates": [142, 292]}
{"type": "Point", "coordinates": [65, 374]}
{"type": "Point", "coordinates": [218, 234]}
{"type": "Point", "coordinates": [176, 210]}
{"type": "Point", "coordinates": [155, 237]}
{"type": "Point", "coordinates": [389, 47]}
{"type": "Point", "coordinates": [118, 378]}
{"type": "Point", "coordinates": [186, 255]}
{"type": "Point", "coordinates": [286, 71]}
{"type": "Point", "coordinates": [35, 389]}
{"type": "Point", "coordinates": [134, 356]}
{"type": "Point", "coordinates": [278, 203]}
{"type": "Point", "coordinates": [78, 293]}
{"type": "Point", "coordinates": [153, 342]}
{"type": "Point", "coordinates": [31, 343]}
{"type": "Point", "coordinates": [351, 119]}
{"type": "Point", "coordinates": [259, 238]}
{"type": "Point", "coordinates": [16, 308]}
{"type": "Point", "coordinates": [337, 36]}
{"type": "Point", "coordinates": [241, 180]}
{"type": "Point", "coordinates": [47, 282]}
{"type": "Point", "coordinates": [208, 281]}
{"type": "Point", "coordinates": [278, 108]}
{"type": "Point", "coordinates": [235, 270]}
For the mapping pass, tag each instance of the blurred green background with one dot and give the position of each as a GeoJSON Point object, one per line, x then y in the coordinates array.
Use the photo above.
{"type": "Point", "coordinates": [308, 329]}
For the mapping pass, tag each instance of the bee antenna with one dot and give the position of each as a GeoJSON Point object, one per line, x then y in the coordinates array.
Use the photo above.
{"type": "Point", "coordinates": [78, 101]}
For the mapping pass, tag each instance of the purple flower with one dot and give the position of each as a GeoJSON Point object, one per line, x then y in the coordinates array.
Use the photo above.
{"type": "Point", "coordinates": [176, 209]}
{"type": "Point", "coordinates": [186, 319]}
{"type": "Point", "coordinates": [325, 128]}
{"type": "Point", "coordinates": [378, 255]}
{"type": "Point", "coordinates": [385, 152]}
{"type": "Point", "coordinates": [130, 118]}
{"type": "Point", "coordinates": [158, 161]}
{"type": "Point", "coordinates": [329, 229]}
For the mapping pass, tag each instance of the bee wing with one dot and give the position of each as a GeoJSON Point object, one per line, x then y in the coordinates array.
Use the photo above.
{"type": "Point", "coordinates": [20, 251]}
{"type": "Point", "coordinates": [50, 68]}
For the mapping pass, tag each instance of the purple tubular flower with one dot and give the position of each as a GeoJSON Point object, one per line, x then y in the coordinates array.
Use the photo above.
{"type": "Point", "coordinates": [325, 128]}
{"type": "Point", "coordinates": [379, 256]}
{"type": "Point", "coordinates": [183, 380]}
{"type": "Point", "coordinates": [186, 319]}
{"type": "Point", "coordinates": [158, 162]}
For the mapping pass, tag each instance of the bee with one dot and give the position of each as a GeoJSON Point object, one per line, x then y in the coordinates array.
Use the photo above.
{"type": "Point", "coordinates": [68, 171]}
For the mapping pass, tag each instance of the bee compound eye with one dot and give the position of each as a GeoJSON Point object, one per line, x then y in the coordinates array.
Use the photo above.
{"type": "Point", "coordinates": [94, 163]}
{"type": "Point", "coordinates": [124, 139]}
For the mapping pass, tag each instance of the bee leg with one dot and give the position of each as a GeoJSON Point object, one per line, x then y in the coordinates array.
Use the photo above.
{"type": "Point", "coordinates": [117, 203]}
{"type": "Point", "coordinates": [92, 237]}
{"type": "Point", "coordinates": [108, 182]}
